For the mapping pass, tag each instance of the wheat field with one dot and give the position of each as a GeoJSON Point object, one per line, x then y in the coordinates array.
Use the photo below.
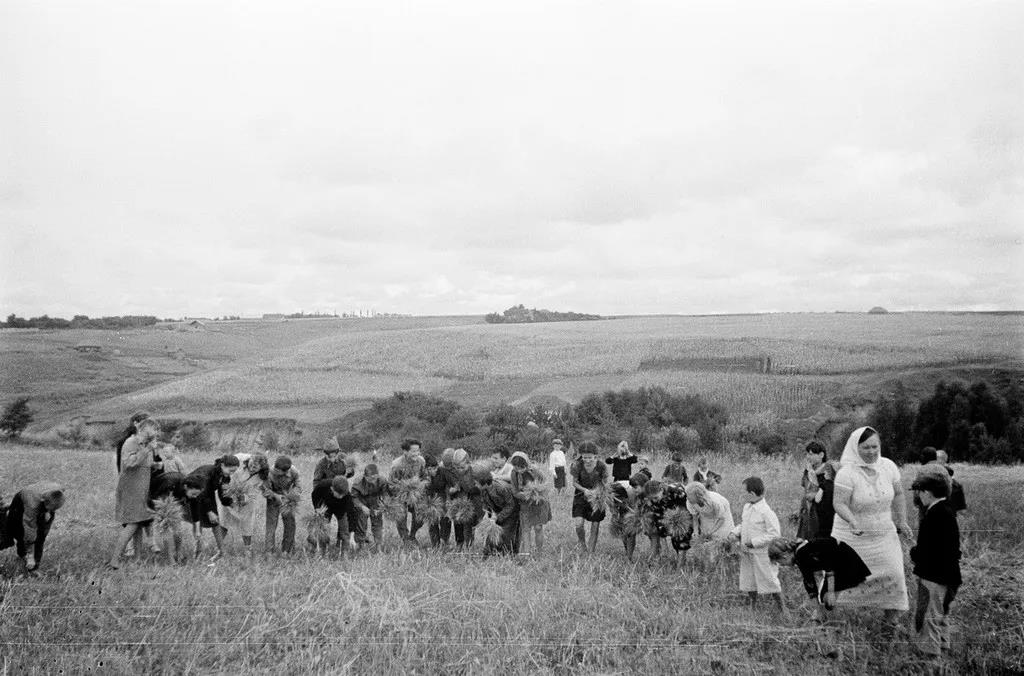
{"type": "Point", "coordinates": [425, 611]}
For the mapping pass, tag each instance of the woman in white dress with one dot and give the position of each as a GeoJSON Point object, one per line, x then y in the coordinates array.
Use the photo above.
{"type": "Point", "coordinates": [244, 488]}
{"type": "Point", "coordinates": [868, 495]}
{"type": "Point", "coordinates": [713, 515]}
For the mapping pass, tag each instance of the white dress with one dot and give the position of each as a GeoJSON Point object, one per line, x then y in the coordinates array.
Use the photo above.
{"type": "Point", "coordinates": [241, 520]}
{"type": "Point", "coordinates": [714, 519]}
{"type": "Point", "coordinates": [879, 546]}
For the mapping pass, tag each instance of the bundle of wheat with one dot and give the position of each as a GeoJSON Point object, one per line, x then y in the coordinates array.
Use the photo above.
{"type": "Point", "coordinates": [536, 493]}
{"type": "Point", "coordinates": [240, 494]}
{"type": "Point", "coordinates": [290, 502]}
{"type": "Point", "coordinates": [678, 522]}
{"type": "Point", "coordinates": [491, 531]}
{"type": "Point", "coordinates": [318, 529]}
{"type": "Point", "coordinates": [394, 509]}
{"type": "Point", "coordinates": [630, 522]}
{"type": "Point", "coordinates": [649, 523]}
{"type": "Point", "coordinates": [167, 514]}
{"type": "Point", "coordinates": [430, 509]}
{"type": "Point", "coordinates": [600, 498]}
{"type": "Point", "coordinates": [461, 510]}
{"type": "Point", "coordinates": [408, 491]}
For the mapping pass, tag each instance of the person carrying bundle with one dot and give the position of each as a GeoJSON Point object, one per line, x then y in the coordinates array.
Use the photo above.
{"type": "Point", "coordinates": [839, 566]}
{"type": "Point", "coordinates": [281, 489]}
{"type": "Point", "coordinates": [205, 485]}
{"type": "Point", "coordinates": [498, 499]}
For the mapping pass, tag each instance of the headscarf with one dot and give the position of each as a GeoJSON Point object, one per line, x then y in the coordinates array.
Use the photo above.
{"type": "Point", "coordinates": [696, 492]}
{"type": "Point", "coordinates": [850, 457]}
{"type": "Point", "coordinates": [520, 454]}
{"type": "Point", "coordinates": [460, 456]}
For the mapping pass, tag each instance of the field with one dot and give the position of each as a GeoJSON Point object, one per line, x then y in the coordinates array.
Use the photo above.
{"type": "Point", "coordinates": [318, 370]}
{"type": "Point", "coordinates": [422, 611]}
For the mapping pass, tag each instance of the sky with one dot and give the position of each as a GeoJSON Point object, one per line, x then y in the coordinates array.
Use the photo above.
{"type": "Point", "coordinates": [233, 158]}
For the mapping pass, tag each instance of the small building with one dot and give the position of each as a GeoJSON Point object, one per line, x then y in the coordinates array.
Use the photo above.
{"type": "Point", "coordinates": [89, 347]}
{"type": "Point", "coordinates": [195, 325]}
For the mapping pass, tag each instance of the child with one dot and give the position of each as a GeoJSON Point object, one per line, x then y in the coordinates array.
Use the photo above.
{"type": "Point", "coordinates": [409, 465]}
{"type": "Point", "coordinates": [28, 521]}
{"type": "Point", "coordinates": [587, 475]}
{"type": "Point", "coordinates": [340, 504]}
{"type": "Point", "coordinates": [936, 560]}
{"type": "Point", "coordinates": [368, 492]}
{"type": "Point", "coordinates": [645, 467]}
{"type": "Point", "coordinates": [281, 480]}
{"type": "Point", "coordinates": [502, 466]}
{"type": "Point", "coordinates": [171, 461]}
{"type": "Point", "coordinates": [171, 486]}
{"type": "Point", "coordinates": [622, 464]}
{"type": "Point", "coordinates": [207, 485]}
{"type": "Point", "coordinates": [627, 506]}
{"type": "Point", "coordinates": [556, 463]}
{"type": "Point", "coordinates": [758, 527]}
{"type": "Point", "coordinates": [498, 500]}
{"type": "Point", "coordinates": [245, 485]}
{"type": "Point", "coordinates": [841, 567]}
{"type": "Point", "coordinates": [701, 475]}
{"type": "Point", "coordinates": [465, 488]}
{"type": "Point", "coordinates": [329, 466]}
{"type": "Point", "coordinates": [659, 498]}
{"type": "Point", "coordinates": [675, 472]}
{"type": "Point", "coordinates": [533, 514]}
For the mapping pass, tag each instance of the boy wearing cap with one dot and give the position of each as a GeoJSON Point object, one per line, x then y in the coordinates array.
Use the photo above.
{"type": "Point", "coordinates": [936, 558]}
{"type": "Point", "coordinates": [330, 466]}
{"type": "Point", "coordinates": [556, 463]}
{"type": "Point", "coordinates": [281, 480]}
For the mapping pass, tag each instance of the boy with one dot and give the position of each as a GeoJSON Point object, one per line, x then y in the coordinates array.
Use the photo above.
{"type": "Point", "coordinates": [498, 500]}
{"type": "Point", "coordinates": [28, 520]}
{"type": "Point", "coordinates": [368, 492]}
{"type": "Point", "coordinates": [409, 465]}
{"type": "Point", "coordinates": [330, 466]}
{"type": "Point", "coordinates": [645, 467]}
{"type": "Point", "coordinates": [556, 463]}
{"type": "Point", "coordinates": [625, 511]}
{"type": "Point", "coordinates": [622, 464]}
{"type": "Point", "coordinates": [659, 498]}
{"type": "Point", "coordinates": [675, 472]}
{"type": "Point", "coordinates": [339, 503]}
{"type": "Point", "coordinates": [931, 456]}
{"type": "Point", "coordinates": [936, 558]}
{"type": "Point", "coordinates": [758, 527]}
{"type": "Point", "coordinates": [841, 566]}
{"type": "Point", "coordinates": [701, 475]}
{"type": "Point", "coordinates": [281, 480]}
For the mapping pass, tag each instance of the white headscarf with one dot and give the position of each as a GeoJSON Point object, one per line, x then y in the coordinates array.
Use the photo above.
{"type": "Point", "coordinates": [850, 455]}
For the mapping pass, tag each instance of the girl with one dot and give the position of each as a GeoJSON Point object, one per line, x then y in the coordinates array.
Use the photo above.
{"type": "Point", "coordinates": [533, 513]}
{"type": "Point", "coordinates": [240, 515]}
{"type": "Point", "coordinates": [587, 475]}
{"type": "Point", "coordinates": [132, 496]}
{"type": "Point", "coordinates": [713, 515]}
{"type": "Point", "coordinates": [626, 510]}
{"type": "Point", "coordinates": [206, 483]}
{"type": "Point", "coordinates": [675, 471]}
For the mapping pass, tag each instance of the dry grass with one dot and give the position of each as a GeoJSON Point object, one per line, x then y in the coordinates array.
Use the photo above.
{"type": "Point", "coordinates": [420, 611]}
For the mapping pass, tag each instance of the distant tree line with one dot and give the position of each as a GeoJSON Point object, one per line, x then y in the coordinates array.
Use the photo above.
{"type": "Point", "coordinates": [79, 322]}
{"type": "Point", "coordinates": [518, 314]}
{"type": "Point", "coordinates": [976, 422]}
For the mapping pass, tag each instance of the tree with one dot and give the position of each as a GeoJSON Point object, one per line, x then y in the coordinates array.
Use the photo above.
{"type": "Point", "coordinates": [684, 440]}
{"type": "Point", "coordinates": [461, 423]}
{"type": "Point", "coordinates": [16, 417]}
{"type": "Point", "coordinates": [893, 417]}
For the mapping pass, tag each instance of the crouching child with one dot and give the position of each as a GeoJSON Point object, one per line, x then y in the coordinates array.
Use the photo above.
{"type": "Point", "coordinates": [28, 521]}
{"type": "Point", "coordinates": [498, 499]}
{"type": "Point", "coordinates": [826, 565]}
{"type": "Point", "coordinates": [338, 503]}
{"type": "Point", "coordinates": [368, 493]}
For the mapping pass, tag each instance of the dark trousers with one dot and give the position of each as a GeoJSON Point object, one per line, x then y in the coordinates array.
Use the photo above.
{"type": "Point", "coordinates": [464, 533]}
{"type": "Point", "coordinates": [440, 531]}
{"type": "Point", "coordinates": [406, 532]}
{"type": "Point", "coordinates": [14, 529]}
{"type": "Point", "coordinates": [274, 510]}
{"type": "Point", "coordinates": [373, 524]}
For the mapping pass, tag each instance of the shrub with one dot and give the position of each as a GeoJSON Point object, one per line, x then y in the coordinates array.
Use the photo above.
{"type": "Point", "coordinates": [682, 440]}
{"type": "Point", "coordinates": [461, 423]}
{"type": "Point", "coordinates": [893, 416]}
{"type": "Point", "coordinates": [269, 441]}
{"type": "Point", "coordinates": [195, 437]}
{"type": "Point", "coordinates": [506, 421]}
{"type": "Point", "coordinates": [352, 442]}
{"type": "Point", "coordinates": [16, 417]}
{"type": "Point", "coordinates": [391, 413]}
{"type": "Point", "coordinates": [73, 434]}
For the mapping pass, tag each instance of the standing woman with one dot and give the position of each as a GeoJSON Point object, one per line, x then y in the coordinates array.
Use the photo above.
{"type": "Point", "coordinates": [533, 512]}
{"type": "Point", "coordinates": [587, 475]}
{"type": "Point", "coordinates": [132, 497]}
{"type": "Point", "coordinates": [245, 487]}
{"type": "Point", "coordinates": [867, 495]}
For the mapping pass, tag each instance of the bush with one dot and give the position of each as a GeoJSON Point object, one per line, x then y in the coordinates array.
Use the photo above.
{"type": "Point", "coordinates": [461, 423]}
{"type": "Point", "coordinates": [16, 417]}
{"type": "Point", "coordinates": [269, 441]}
{"type": "Point", "coordinates": [893, 416]}
{"type": "Point", "coordinates": [506, 421]}
{"type": "Point", "coordinates": [73, 434]}
{"type": "Point", "coordinates": [391, 413]}
{"type": "Point", "coordinates": [680, 439]}
{"type": "Point", "coordinates": [353, 442]}
{"type": "Point", "coordinates": [195, 437]}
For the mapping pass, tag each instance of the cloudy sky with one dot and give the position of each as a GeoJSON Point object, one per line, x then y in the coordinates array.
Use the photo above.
{"type": "Point", "coordinates": [207, 158]}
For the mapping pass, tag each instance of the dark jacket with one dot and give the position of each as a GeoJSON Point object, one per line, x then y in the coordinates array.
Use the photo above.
{"type": "Point", "coordinates": [830, 556]}
{"type": "Point", "coordinates": [825, 509]}
{"type": "Point", "coordinates": [326, 470]}
{"type": "Point", "coordinates": [213, 481]}
{"type": "Point", "coordinates": [622, 468]}
{"type": "Point", "coordinates": [369, 493]}
{"type": "Point", "coordinates": [498, 498]}
{"type": "Point", "coordinates": [167, 484]}
{"type": "Point", "coordinates": [675, 472]}
{"type": "Point", "coordinates": [936, 555]}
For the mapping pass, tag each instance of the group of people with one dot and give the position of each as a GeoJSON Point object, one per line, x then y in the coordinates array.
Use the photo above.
{"type": "Point", "coordinates": [853, 516]}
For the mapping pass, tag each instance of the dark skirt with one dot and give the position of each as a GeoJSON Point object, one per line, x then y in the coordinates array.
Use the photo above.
{"type": "Point", "coordinates": [559, 477]}
{"type": "Point", "coordinates": [581, 509]}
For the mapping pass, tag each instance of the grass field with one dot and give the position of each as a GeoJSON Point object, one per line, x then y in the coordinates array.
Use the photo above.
{"type": "Point", "coordinates": [318, 370]}
{"type": "Point", "coordinates": [421, 611]}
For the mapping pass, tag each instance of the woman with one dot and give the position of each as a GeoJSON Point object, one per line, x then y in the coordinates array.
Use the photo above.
{"type": "Point", "coordinates": [244, 490]}
{"type": "Point", "coordinates": [132, 497]}
{"type": "Point", "coordinates": [867, 494]}
{"type": "Point", "coordinates": [588, 478]}
{"type": "Point", "coordinates": [201, 510]}
{"type": "Point", "coordinates": [533, 512]}
{"type": "Point", "coordinates": [713, 515]}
